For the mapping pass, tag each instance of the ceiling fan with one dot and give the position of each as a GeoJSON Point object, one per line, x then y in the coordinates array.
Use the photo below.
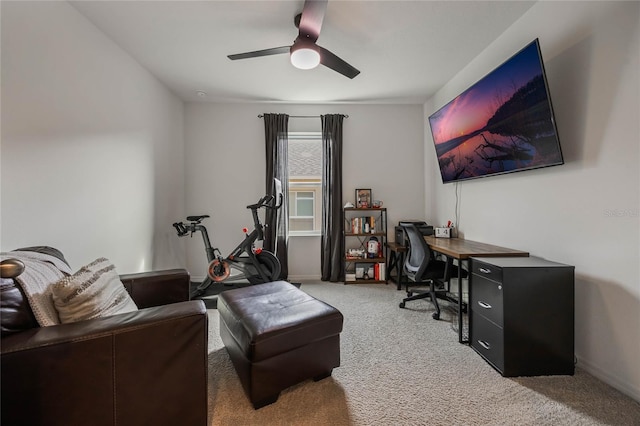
{"type": "Point", "coordinates": [305, 53]}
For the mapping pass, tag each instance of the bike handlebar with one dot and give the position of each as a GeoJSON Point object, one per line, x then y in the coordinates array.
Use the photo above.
{"type": "Point", "coordinates": [181, 229]}
{"type": "Point", "coordinates": [266, 202]}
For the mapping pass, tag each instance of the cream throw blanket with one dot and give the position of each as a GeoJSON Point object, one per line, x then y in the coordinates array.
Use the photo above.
{"type": "Point", "coordinates": [40, 272]}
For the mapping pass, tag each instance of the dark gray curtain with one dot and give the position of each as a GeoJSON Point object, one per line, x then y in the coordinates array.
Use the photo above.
{"type": "Point", "coordinates": [276, 131]}
{"type": "Point", "coordinates": [332, 251]}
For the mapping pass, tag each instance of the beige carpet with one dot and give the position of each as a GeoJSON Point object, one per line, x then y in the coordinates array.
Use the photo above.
{"type": "Point", "coordinates": [401, 367]}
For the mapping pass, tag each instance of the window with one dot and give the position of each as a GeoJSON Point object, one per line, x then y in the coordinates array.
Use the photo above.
{"type": "Point", "coordinates": [301, 208]}
{"type": "Point", "coordinates": [305, 183]}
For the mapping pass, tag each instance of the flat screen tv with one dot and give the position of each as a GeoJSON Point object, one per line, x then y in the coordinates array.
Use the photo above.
{"type": "Point", "coordinates": [503, 123]}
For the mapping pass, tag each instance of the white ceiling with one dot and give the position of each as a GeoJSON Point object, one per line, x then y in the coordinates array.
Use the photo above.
{"type": "Point", "coordinates": [405, 50]}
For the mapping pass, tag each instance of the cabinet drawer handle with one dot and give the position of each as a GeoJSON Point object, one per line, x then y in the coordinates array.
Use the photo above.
{"type": "Point", "coordinates": [484, 344]}
{"type": "Point", "coordinates": [485, 270]}
{"type": "Point", "coordinates": [484, 304]}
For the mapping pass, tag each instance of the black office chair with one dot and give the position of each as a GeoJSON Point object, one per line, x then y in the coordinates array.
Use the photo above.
{"type": "Point", "coordinates": [421, 268]}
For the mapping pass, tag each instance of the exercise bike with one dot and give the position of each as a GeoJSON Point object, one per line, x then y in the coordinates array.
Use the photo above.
{"type": "Point", "coordinates": [246, 261]}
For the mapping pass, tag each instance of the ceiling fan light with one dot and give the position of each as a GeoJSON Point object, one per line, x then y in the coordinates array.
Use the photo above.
{"type": "Point", "coordinates": [305, 57]}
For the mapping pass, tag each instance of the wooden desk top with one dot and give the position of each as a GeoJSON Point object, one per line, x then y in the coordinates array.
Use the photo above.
{"type": "Point", "coordinates": [463, 249]}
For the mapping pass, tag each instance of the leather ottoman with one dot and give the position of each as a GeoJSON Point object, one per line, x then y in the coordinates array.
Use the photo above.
{"type": "Point", "coordinates": [277, 335]}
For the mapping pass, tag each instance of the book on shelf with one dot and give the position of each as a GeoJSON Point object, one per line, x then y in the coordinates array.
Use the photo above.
{"type": "Point", "coordinates": [379, 271]}
{"type": "Point", "coordinates": [360, 224]}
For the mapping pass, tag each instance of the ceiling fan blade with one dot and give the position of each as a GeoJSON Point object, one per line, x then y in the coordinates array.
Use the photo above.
{"type": "Point", "coordinates": [311, 19]}
{"type": "Point", "coordinates": [330, 60]}
{"type": "Point", "coordinates": [258, 53]}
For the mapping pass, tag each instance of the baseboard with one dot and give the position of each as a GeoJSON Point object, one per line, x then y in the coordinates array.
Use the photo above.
{"type": "Point", "coordinates": [621, 385]}
{"type": "Point", "coordinates": [304, 278]}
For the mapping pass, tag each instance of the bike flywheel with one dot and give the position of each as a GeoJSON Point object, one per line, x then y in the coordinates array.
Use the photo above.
{"type": "Point", "coordinates": [218, 271]}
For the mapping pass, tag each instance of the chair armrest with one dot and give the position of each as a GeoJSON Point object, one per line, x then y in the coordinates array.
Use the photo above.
{"type": "Point", "coordinates": [157, 287]}
{"type": "Point", "coordinates": [143, 367]}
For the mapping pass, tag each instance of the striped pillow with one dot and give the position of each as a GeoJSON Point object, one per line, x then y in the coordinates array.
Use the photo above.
{"type": "Point", "coordinates": [94, 291]}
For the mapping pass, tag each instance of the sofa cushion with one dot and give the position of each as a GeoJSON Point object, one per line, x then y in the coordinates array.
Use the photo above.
{"type": "Point", "coordinates": [15, 313]}
{"type": "Point", "coordinates": [94, 291]}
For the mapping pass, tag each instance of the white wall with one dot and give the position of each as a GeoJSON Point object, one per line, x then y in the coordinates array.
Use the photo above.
{"type": "Point", "coordinates": [92, 144]}
{"type": "Point", "coordinates": [92, 161]}
{"type": "Point", "coordinates": [225, 160]}
{"type": "Point", "coordinates": [586, 212]}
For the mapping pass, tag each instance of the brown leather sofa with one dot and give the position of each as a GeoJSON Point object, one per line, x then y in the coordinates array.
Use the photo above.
{"type": "Point", "coordinates": [147, 367]}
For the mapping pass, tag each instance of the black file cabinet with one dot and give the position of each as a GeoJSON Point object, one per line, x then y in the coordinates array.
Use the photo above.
{"type": "Point", "coordinates": [522, 315]}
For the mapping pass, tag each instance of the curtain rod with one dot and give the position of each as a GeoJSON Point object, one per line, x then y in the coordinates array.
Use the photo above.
{"type": "Point", "coordinates": [304, 116]}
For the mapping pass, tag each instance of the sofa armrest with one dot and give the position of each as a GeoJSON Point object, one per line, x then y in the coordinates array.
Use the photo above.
{"type": "Point", "coordinates": [157, 287]}
{"type": "Point", "coordinates": [143, 367]}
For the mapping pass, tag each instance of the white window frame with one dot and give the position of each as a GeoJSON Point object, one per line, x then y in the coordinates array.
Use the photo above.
{"type": "Point", "coordinates": [313, 204]}
{"type": "Point", "coordinates": [318, 198]}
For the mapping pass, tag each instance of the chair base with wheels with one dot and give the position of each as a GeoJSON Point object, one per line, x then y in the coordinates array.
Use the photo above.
{"type": "Point", "coordinates": [422, 268]}
{"type": "Point", "coordinates": [436, 291]}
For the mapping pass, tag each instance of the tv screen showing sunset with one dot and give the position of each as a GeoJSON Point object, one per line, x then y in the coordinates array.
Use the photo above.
{"type": "Point", "coordinates": [501, 124]}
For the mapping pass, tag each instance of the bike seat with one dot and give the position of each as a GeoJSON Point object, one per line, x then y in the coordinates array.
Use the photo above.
{"type": "Point", "coordinates": [197, 218]}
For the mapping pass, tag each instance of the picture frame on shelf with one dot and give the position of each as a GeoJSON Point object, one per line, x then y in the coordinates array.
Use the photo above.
{"type": "Point", "coordinates": [363, 198]}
